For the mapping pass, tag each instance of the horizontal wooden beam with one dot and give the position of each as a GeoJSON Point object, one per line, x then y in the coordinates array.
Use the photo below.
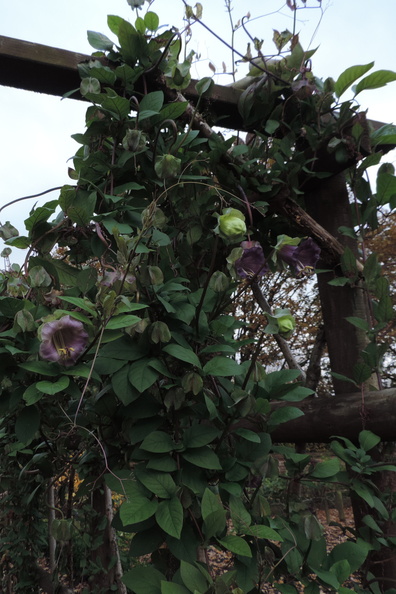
{"type": "Point", "coordinates": [345, 415]}
{"type": "Point", "coordinates": [45, 69]}
{"type": "Point", "coordinates": [40, 68]}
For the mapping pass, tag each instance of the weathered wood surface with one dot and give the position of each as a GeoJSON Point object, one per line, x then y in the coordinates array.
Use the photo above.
{"type": "Point", "coordinates": [45, 69]}
{"type": "Point", "coordinates": [345, 414]}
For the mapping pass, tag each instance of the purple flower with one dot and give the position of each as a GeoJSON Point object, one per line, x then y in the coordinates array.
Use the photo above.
{"type": "Point", "coordinates": [252, 262]}
{"type": "Point", "coordinates": [63, 341]}
{"type": "Point", "coordinates": [302, 258]}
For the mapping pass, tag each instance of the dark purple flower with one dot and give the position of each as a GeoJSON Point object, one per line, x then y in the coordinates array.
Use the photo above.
{"type": "Point", "coordinates": [302, 258]}
{"type": "Point", "coordinates": [252, 262]}
{"type": "Point", "coordinates": [63, 341]}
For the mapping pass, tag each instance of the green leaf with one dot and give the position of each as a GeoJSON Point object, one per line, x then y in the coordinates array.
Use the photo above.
{"type": "Point", "coordinates": [359, 323]}
{"type": "Point", "coordinates": [383, 311]}
{"type": "Point", "coordinates": [118, 106]}
{"type": "Point", "coordinates": [53, 387]}
{"type": "Point", "coordinates": [144, 580]}
{"type": "Point", "coordinates": [151, 20]}
{"type": "Point", "coordinates": [380, 508]}
{"type": "Point", "coordinates": [386, 188]}
{"type": "Point", "coordinates": [371, 523]}
{"type": "Point", "coordinates": [348, 263]}
{"type": "Point", "coordinates": [361, 373]}
{"type": "Point", "coordinates": [169, 516]}
{"type": "Point", "coordinates": [136, 510]}
{"type": "Point", "coordinates": [352, 552]}
{"type": "Point", "coordinates": [27, 423]}
{"type": "Point", "coordinates": [63, 273]}
{"type": "Point", "coordinates": [31, 395]}
{"type": "Point", "coordinates": [146, 542]}
{"type": "Point", "coordinates": [122, 386]}
{"type": "Point", "coordinates": [285, 414]}
{"type": "Point", "coordinates": [141, 375]}
{"type": "Point", "coordinates": [158, 442]}
{"type": "Point", "coordinates": [340, 281]}
{"type": "Point", "coordinates": [328, 578]}
{"type": "Point", "coordinates": [368, 440]}
{"type": "Point", "coordinates": [40, 214]}
{"type": "Point", "coordinates": [159, 483]}
{"type": "Point", "coordinates": [210, 503]}
{"type": "Point", "coordinates": [247, 434]}
{"type": "Point", "coordinates": [222, 367]}
{"type": "Point", "coordinates": [99, 41]}
{"type": "Point", "coordinates": [363, 492]}
{"type": "Point", "coordinates": [185, 547]}
{"type": "Point", "coordinates": [82, 304]}
{"type": "Point", "coordinates": [236, 545]}
{"type": "Point", "coordinates": [203, 457]}
{"type": "Point", "coordinates": [171, 111]}
{"type": "Point", "coordinates": [296, 394]}
{"type": "Point", "coordinates": [199, 435]}
{"type": "Point", "coordinates": [348, 77]}
{"type": "Point", "coordinates": [260, 531]}
{"type": "Point", "coordinates": [182, 353]}
{"type": "Point", "coordinates": [376, 80]}
{"type": "Point", "coordinates": [122, 321]}
{"type": "Point", "coordinates": [312, 528]}
{"type": "Point", "coordinates": [173, 588]}
{"type": "Point", "coordinates": [241, 518]}
{"type": "Point", "coordinates": [152, 102]}
{"type": "Point", "coordinates": [343, 378]}
{"type": "Point", "coordinates": [81, 370]}
{"type": "Point", "coordinates": [104, 75]}
{"type": "Point", "coordinates": [384, 135]}
{"type": "Point", "coordinates": [40, 367]}
{"type": "Point", "coordinates": [326, 469]}
{"type": "Point", "coordinates": [341, 569]}
{"type": "Point", "coordinates": [204, 86]}
{"type": "Point", "coordinates": [193, 578]}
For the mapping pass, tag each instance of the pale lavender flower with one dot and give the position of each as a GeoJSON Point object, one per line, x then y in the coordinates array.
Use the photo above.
{"type": "Point", "coordinates": [63, 341]}
{"type": "Point", "coordinates": [252, 262]}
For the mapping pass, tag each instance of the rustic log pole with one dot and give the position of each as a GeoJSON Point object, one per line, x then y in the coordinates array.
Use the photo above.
{"type": "Point", "coordinates": [329, 206]}
{"type": "Point", "coordinates": [329, 416]}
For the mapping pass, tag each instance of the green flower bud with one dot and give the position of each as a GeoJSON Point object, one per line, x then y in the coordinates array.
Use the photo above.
{"type": "Point", "coordinates": [134, 140]}
{"type": "Point", "coordinates": [286, 324]}
{"type": "Point", "coordinates": [280, 322]}
{"type": "Point", "coordinates": [232, 224]}
{"type": "Point", "coordinates": [167, 166]}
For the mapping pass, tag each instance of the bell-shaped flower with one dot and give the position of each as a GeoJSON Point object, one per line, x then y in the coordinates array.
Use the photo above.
{"type": "Point", "coordinates": [252, 262]}
{"type": "Point", "coordinates": [301, 258]}
{"type": "Point", "coordinates": [63, 341]}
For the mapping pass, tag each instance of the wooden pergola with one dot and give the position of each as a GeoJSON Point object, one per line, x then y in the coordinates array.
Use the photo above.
{"type": "Point", "coordinates": [44, 69]}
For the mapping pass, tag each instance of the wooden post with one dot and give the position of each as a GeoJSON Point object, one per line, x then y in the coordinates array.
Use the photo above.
{"type": "Point", "coordinates": [330, 207]}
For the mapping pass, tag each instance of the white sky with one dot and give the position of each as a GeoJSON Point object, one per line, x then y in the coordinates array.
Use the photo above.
{"type": "Point", "coordinates": [36, 128]}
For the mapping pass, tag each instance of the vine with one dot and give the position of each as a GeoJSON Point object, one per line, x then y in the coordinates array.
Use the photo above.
{"type": "Point", "coordinates": [121, 359]}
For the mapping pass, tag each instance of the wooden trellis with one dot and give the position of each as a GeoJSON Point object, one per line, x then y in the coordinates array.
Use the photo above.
{"type": "Point", "coordinates": [44, 69]}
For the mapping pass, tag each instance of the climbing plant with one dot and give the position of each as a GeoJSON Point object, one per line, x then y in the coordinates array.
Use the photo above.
{"type": "Point", "coordinates": [124, 369]}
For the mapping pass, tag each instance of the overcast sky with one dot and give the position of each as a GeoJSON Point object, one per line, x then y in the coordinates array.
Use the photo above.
{"type": "Point", "coordinates": [36, 128]}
